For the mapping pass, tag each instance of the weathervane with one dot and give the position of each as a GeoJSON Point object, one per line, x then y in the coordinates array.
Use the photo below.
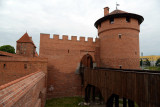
{"type": "Point", "coordinates": [117, 6]}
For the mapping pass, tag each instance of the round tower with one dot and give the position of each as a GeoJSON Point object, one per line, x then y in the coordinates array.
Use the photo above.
{"type": "Point", "coordinates": [118, 32]}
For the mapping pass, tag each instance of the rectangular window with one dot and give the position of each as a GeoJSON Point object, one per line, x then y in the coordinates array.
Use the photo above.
{"type": "Point", "coordinates": [120, 36]}
{"type": "Point", "coordinates": [111, 20]}
{"type": "Point", "coordinates": [25, 66]}
{"type": "Point", "coordinates": [4, 65]}
{"type": "Point", "coordinates": [128, 19]}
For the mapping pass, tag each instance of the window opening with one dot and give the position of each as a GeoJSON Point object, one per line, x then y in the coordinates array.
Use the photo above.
{"type": "Point", "coordinates": [25, 66]}
{"type": "Point", "coordinates": [120, 36]}
{"type": "Point", "coordinates": [111, 20]}
{"type": "Point", "coordinates": [4, 65]}
{"type": "Point", "coordinates": [128, 19]}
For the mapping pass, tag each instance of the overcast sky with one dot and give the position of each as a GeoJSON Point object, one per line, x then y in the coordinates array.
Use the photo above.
{"type": "Point", "coordinates": [74, 18]}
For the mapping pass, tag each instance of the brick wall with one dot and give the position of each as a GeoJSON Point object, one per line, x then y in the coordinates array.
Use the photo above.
{"type": "Point", "coordinates": [28, 91]}
{"type": "Point", "coordinates": [64, 58]}
{"type": "Point", "coordinates": [25, 49]}
{"type": "Point", "coordinates": [12, 68]}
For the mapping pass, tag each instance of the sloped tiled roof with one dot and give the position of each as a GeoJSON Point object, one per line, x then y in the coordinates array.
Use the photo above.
{"type": "Point", "coordinates": [2, 53]}
{"type": "Point", "coordinates": [119, 13]}
{"type": "Point", "coordinates": [25, 39]}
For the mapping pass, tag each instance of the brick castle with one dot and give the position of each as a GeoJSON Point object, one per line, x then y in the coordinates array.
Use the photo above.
{"type": "Point", "coordinates": [62, 59]}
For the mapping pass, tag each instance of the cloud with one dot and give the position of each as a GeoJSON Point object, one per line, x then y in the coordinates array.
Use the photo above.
{"type": "Point", "coordinates": [74, 17]}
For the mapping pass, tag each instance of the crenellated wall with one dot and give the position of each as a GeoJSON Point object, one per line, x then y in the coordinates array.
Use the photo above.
{"type": "Point", "coordinates": [28, 91]}
{"type": "Point", "coordinates": [64, 57]}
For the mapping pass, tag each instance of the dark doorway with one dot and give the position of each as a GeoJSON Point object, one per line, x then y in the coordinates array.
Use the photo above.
{"type": "Point", "coordinates": [86, 61]}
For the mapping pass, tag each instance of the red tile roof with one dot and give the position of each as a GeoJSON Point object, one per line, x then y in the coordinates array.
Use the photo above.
{"type": "Point", "coordinates": [2, 53]}
{"type": "Point", "coordinates": [26, 39]}
{"type": "Point", "coordinates": [117, 12]}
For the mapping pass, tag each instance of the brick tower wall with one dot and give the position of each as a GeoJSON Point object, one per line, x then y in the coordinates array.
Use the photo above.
{"type": "Point", "coordinates": [25, 49]}
{"type": "Point", "coordinates": [116, 51]}
{"type": "Point", "coordinates": [64, 58]}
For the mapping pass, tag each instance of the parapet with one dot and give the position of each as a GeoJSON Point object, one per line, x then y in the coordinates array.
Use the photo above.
{"type": "Point", "coordinates": [66, 38]}
{"type": "Point", "coordinates": [13, 93]}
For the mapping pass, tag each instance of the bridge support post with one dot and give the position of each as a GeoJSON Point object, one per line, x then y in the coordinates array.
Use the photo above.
{"type": "Point", "coordinates": [116, 101]}
{"type": "Point", "coordinates": [124, 102]}
{"type": "Point", "coordinates": [93, 93]}
{"type": "Point", "coordinates": [87, 93]}
{"type": "Point", "coordinates": [130, 103]}
{"type": "Point", "coordinates": [109, 103]}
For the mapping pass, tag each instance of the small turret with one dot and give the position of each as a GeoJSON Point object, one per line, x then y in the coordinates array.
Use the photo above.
{"type": "Point", "coordinates": [25, 46]}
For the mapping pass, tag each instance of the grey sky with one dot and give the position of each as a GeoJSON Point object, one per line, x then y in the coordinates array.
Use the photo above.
{"type": "Point", "coordinates": [74, 18]}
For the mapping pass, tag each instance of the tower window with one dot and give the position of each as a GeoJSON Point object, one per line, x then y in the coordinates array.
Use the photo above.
{"type": "Point", "coordinates": [68, 50]}
{"type": "Point", "coordinates": [111, 20]}
{"type": "Point", "coordinates": [128, 19]}
{"type": "Point", "coordinates": [100, 25]}
{"type": "Point", "coordinates": [25, 66]}
{"type": "Point", "coordinates": [4, 66]}
{"type": "Point", "coordinates": [120, 36]}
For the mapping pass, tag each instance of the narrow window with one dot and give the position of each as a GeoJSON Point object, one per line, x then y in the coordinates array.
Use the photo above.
{"type": "Point", "coordinates": [100, 25]}
{"type": "Point", "coordinates": [120, 36]}
{"type": "Point", "coordinates": [4, 65]}
{"type": "Point", "coordinates": [120, 66]}
{"type": "Point", "coordinates": [111, 20]}
{"type": "Point", "coordinates": [25, 66]}
{"type": "Point", "coordinates": [135, 53]}
{"type": "Point", "coordinates": [68, 50]}
{"type": "Point", "coordinates": [128, 19]}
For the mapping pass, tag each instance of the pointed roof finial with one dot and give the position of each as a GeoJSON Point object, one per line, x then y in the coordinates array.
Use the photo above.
{"type": "Point", "coordinates": [117, 6]}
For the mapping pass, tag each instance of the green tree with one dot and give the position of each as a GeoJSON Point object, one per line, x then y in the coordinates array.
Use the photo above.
{"type": "Point", "coordinates": [147, 62]}
{"type": "Point", "coordinates": [141, 62]}
{"type": "Point", "coordinates": [7, 48]}
{"type": "Point", "coordinates": [158, 62]}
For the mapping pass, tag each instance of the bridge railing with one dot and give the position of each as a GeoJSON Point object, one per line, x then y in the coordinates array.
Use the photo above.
{"type": "Point", "coordinates": [141, 86]}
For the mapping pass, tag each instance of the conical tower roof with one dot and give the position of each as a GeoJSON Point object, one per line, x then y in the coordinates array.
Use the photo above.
{"type": "Point", "coordinates": [25, 39]}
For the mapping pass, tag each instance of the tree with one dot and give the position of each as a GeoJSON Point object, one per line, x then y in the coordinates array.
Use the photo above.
{"type": "Point", "coordinates": [158, 62]}
{"type": "Point", "coordinates": [141, 62]}
{"type": "Point", "coordinates": [7, 48]}
{"type": "Point", "coordinates": [147, 62]}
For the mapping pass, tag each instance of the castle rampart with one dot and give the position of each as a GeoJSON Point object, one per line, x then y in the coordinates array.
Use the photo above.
{"type": "Point", "coordinates": [64, 57]}
{"type": "Point", "coordinates": [12, 68]}
{"type": "Point", "coordinates": [28, 91]}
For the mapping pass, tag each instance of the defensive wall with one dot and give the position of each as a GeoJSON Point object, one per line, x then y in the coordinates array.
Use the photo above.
{"type": "Point", "coordinates": [12, 68]}
{"type": "Point", "coordinates": [27, 91]}
{"type": "Point", "coordinates": [64, 57]}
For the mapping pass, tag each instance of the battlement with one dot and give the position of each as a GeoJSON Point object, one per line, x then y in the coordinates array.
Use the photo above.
{"type": "Point", "coordinates": [66, 37]}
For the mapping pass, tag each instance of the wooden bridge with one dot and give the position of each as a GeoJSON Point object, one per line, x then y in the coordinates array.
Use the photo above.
{"type": "Point", "coordinates": [137, 86]}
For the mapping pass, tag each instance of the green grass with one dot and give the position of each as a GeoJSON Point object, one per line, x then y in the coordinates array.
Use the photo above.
{"type": "Point", "coordinates": [70, 102]}
{"type": "Point", "coordinates": [64, 102]}
{"type": "Point", "coordinates": [153, 68]}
